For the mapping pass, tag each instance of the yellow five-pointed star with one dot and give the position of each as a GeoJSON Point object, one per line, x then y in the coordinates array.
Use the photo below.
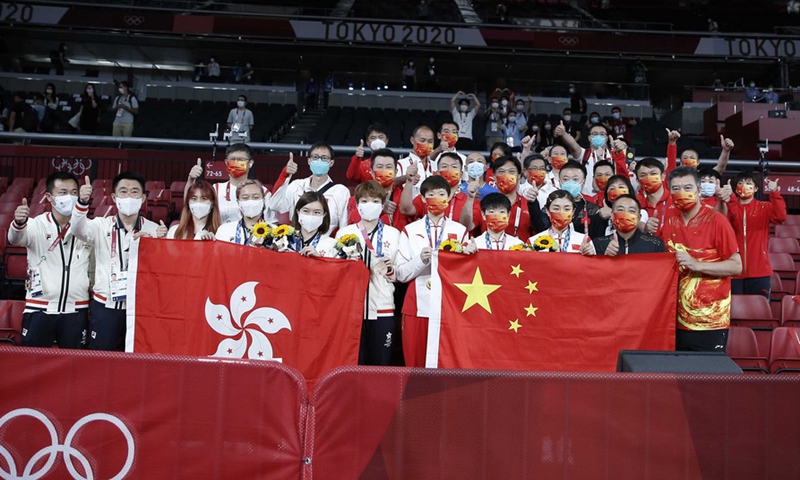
{"type": "Point", "coordinates": [531, 310]}
{"type": "Point", "coordinates": [514, 325]}
{"type": "Point", "coordinates": [532, 287]}
{"type": "Point", "coordinates": [516, 270]}
{"type": "Point", "coordinates": [477, 292]}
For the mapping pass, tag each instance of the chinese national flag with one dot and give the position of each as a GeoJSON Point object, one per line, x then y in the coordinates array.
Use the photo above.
{"type": "Point", "coordinates": [228, 301]}
{"type": "Point", "coordinates": [511, 310]}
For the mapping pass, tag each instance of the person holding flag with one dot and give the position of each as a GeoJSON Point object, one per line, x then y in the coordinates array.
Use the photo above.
{"type": "Point", "coordinates": [560, 208]}
{"type": "Point", "coordinates": [378, 244]}
{"type": "Point", "coordinates": [57, 288]}
{"type": "Point", "coordinates": [417, 243]}
{"type": "Point", "coordinates": [495, 209]}
{"type": "Point", "coordinates": [310, 220]}
{"type": "Point", "coordinates": [111, 238]}
{"type": "Point", "coordinates": [751, 219]}
{"type": "Point", "coordinates": [250, 200]}
{"type": "Point", "coordinates": [626, 237]}
{"type": "Point", "coordinates": [200, 217]}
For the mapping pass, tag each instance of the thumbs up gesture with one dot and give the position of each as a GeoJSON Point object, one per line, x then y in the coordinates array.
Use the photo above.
{"type": "Point", "coordinates": [291, 167]}
{"type": "Point", "coordinates": [587, 247]}
{"type": "Point", "coordinates": [726, 143]}
{"type": "Point", "coordinates": [673, 136]}
{"type": "Point", "coordinates": [560, 130]}
{"type": "Point", "coordinates": [360, 150]}
{"type": "Point", "coordinates": [412, 172]}
{"type": "Point", "coordinates": [726, 192]}
{"type": "Point", "coordinates": [161, 230]}
{"type": "Point", "coordinates": [197, 170]}
{"type": "Point", "coordinates": [613, 246]}
{"type": "Point", "coordinates": [772, 186]}
{"type": "Point", "coordinates": [22, 213]}
{"type": "Point", "coordinates": [85, 193]}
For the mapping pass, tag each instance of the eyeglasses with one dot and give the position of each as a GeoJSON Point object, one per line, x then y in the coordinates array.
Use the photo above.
{"type": "Point", "coordinates": [324, 158]}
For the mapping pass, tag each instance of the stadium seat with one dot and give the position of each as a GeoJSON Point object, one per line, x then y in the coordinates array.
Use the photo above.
{"type": "Point", "coordinates": [6, 219]}
{"type": "Point", "coordinates": [743, 349]}
{"type": "Point", "coordinates": [105, 211]}
{"type": "Point", "coordinates": [787, 231]}
{"type": "Point", "coordinates": [790, 311]}
{"type": "Point", "coordinates": [752, 311]}
{"type": "Point", "coordinates": [792, 220]}
{"type": "Point", "coordinates": [9, 207]}
{"type": "Point", "coordinates": [784, 354]}
{"type": "Point", "coordinates": [783, 264]}
{"type": "Point", "coordinates": [101, 183]}
{"type": "Point", "coordinates": [784, 245]}
{"type": "Point", "coordinates": [151, 185]}
{"type": "Point", "coordinates": [11, 320]}
{"type": "Point", "coordinates": [16, 264]}
{"type": "Point", "coordinates": [3, 184]}
{"type": "Point", "coordinates": [11, 197]}
{"type": "Point", "coordinates": [39, 208]}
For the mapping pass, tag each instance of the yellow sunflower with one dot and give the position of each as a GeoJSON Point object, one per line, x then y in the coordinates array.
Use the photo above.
{"type": "Point", "coordinates": [451, 246]}
{"type": "Point", "coordinates": [545, 242]}
{"type": "Point", "coordinates": [283, 231]}
{"type": "Point", "coordinates": [348, 239]}
{"type": "Point", "coordinates": [517, 248]}
{"type": "Point", "coordinates": [261, 230]}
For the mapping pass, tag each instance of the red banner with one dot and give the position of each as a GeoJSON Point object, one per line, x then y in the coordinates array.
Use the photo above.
{"type": "Point", "coordinates": [66, 414]}
{"type": "Point", "coordinates": [549, 311]}
{"type": "Point", "coordinates": [228, 301]}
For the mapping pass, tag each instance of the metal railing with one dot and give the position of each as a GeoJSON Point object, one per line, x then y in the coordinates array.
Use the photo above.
{"type": "Point", "coordinates": [269, 147]}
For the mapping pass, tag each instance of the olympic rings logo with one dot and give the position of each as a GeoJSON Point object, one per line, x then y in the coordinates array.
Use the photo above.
{"type": "Point", "coordinates": [66, 448]}
{"type": "Point", "coordinates": [76, 166]}
{"type": "Point", "coordinates": [568, 41]}
{"type": "Point", "coordinates": [133, 20]}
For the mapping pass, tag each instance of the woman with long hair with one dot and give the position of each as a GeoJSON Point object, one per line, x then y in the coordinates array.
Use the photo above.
{"type": "Point", "coordinates": [199, 217]}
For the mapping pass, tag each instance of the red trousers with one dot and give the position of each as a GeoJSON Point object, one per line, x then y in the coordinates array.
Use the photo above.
{"type": "Point", "coordinates": [415, 340]}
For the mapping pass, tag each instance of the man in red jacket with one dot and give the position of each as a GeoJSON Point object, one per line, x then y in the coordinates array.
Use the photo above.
{"type": "Point", "coordinates": [750, 219]}
{"type": "Point", "coordinates": [359, 168]}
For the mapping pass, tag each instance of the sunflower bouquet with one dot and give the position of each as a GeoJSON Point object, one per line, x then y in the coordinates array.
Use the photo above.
{"type": "Point", "coordinates": [348, 246]}
{"type": "Point", "coordinates": [451, 245]}
{"type": "Point", "coordinates": [282, 237]}
{"type": "Point", "coordinates": [261, 235]}
{"type": "Point", "coordinates": [522, 247]}
{"type": "Point", "coordinates": [545, 243]}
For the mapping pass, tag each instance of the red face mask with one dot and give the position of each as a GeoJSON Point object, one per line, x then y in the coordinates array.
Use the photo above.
{"type": "Point", "coordinates": [689, 162]}
{"type": "Point", "coordinates": [236, 168]}
{"type": "Point", "coordinates": [453, 177]}
{"type": "Point", "coordinates": [536, 177]}
{"type": "Point", "coordinates": [616, 193]}
{"type": "Point", "coordinates": [506, 182]}
{"type": "Point", "coordinates": [602, 182]}
{"type": "Point", "coordinates": [423, 149]}
{"type": "Point", "coordinates": [384, 177]}
{"type": "Point", "coordinates": [745, 191]}
{"type": "Point", "coordinates": [625, 222]}
{"type": "Point", "coordinates": [437, 205]}
{"type": "Point", "coordinates": [558, 161]}
{"type": "Point", "coordinates": [684, 201]}
{"type": "Point", "coordinates": [450, 138]}
{"type": "Point", "coordinates": [497, 222]}
{"type": "Point", "coordinates": [651, 183]}
{"type": "Point", "coordinates": [560, 220]}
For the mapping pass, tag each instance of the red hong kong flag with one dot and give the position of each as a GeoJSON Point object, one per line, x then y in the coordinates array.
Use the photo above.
{"type": "Point", "coordinates": [228, 301]}
{"type": "Point", "coordinates": [509, 310]}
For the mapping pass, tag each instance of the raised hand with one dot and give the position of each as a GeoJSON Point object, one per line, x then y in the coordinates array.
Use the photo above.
{"type": "Point", "coordinates": [587, 247]}
{"type": "Point", "coordinates": [651, 226]}
{"type": "Point", "coordinates": [613, 246]}
{"type": "Point", "coordinates": [412, 172]}
{"type": "Point", "coordinates": [619, 145]}
{"type": "Point", "coordinates": [726, 143]}
{"type": "Point", "coordinates": [725, 193]}
{"type": "Point", "coordinates": [425, 254]}
{"type": "Point", "coordinates": [389, 207]}
{"type": "Point", "coordinates": [197, 170]}
{"type": "Point", "coordinates": [532, 193]}
{"type": "Point", "coordinates": [605, 212]}
{"type": "Point", "coordinates": [291, 167]}
{"type": "Point", "coordinates": [360, 150]}
{"type": "Point", "coordinates": [85, 193]}
{"type": "Point", "coordinates": [560, 130]}
{"type": "Point", "coordinates": [161, 230]}
{"type": "Point", "coordinates": [472, 189]}
{"type": "Point", "coordinates": [772, 186]}
{"type": "Point", "coordinates": [673, 135]}
{"type": "Point", "coordinates": [22, 212]}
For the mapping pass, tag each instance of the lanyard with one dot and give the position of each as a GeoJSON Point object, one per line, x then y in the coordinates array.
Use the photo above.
{"type": "Point", "coordinates": [228, 191]}
{"type": "Point", "coordinates": [314, 241]}
{"type": "Point", "coordinates": [114, 230]}
{"type": "Point", "coordinates": [517, 219]}
{"type": "Point", "coordinates": [368, 241]}
{"type": "Point", "coordinates": [489, 241]}
{"type": "Point", "coordinates": [440, 237]}
{"type": "Point", "coordinates": [58, 239]}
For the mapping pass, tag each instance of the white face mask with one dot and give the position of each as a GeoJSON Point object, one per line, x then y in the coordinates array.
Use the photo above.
{"type": "Point", "coordinates": [708, 189]}
{"type": "Point", "coordinates": [121, 91]}
{"type": "Point", "coordinates": [567, 118]}
{"type": "Point", "coordinates": [251, 208]}
{"type": "Point", "coordinates": [90, 91]}
{"type": "Point", "coordinates": [309, 222]}
{"type": "Point", "coordinates": [463, 108]}
{"type": "Point", "coordinates": [128, 206]}
{"type": "Point", "coordinates": [200, 209]}
{"type": "Point", "coordinates": [504, 103]}
{"type": "Point", "coordinates": [240, 104]}
{"type": "Point", "coordinates": [495, 104]}
{"type": "Point", "coordinates": [370, 211]}
{"type": "Point", "coordinates": [377, 144]}
{"type": "Point", "coordinates": [64, 204]}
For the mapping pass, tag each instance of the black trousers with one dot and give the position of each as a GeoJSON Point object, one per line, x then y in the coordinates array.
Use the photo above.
{"type": "Point", "coordinates": [40, 329]}
{"type": "Point", "coordinates": [377, 339]}
{"type": "Point", "coordinates": [752, 286]}
{"type": "Point", "coordinates": [701, 340]}
{"type": "Point", "coordinates": [106, 328]}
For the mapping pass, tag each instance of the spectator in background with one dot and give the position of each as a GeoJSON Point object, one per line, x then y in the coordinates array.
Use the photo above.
{"type": "Point", "coordinates": [523, 112]}
{"type": "Point", "coordinates": [752, 93]}
{"type": "Point", "coordinates": [126, 106]}
{"type": "Point", "coordinates": [312, 93]}
{"type": "Point", "coordinates": [494, 119]}
{"type": "Point", "coordinates": [38, 106]}
{"type": "Point", "coordinates": [213, 70]}
{"type": "Point", "coordinates": [59, 58]}
{"type": "Point", "coordinates": [546, 135]}
{"type": "Point", "coordinates": [712, 25]}
{"type": "Point", "coordinates": [409, 76]}
{"type": "Point", "coordinates": [594, 119]}
{"type": "Point", "coordinates": [640, 79]}
{"type": "Point", "coordinates": [570, 125]}
{"type": "Point", "coordinates": [50, 96]}
{"type": "Point", "coordinates": [463, 115]}
{"type": "Point", "coordinates": [501, 11]}
{"type": "Point", "coordinates": [327, 87]}
{"type": "Point", "coordinates": [23, 117]}
{"type": "Point", "coordinates": [621, 126]}
{"type": "Point", "coordinates": [89, 114]}
{"type": "Point", "coordinates": [510, 129]}
{"type": "Point", "coordinates": [199, 72]}
{"type": "Point", "coordinates": [770, 95]}
{"type": "Point", "coordinates": [431, 82]}
{"type": "Point", "coordinates": [49, 120]}
{"type": "Point", "coordinates": [577, 104]}
{"type": "Point", "coordinates": [249, 75]}
{"type": "Point", "coordinates": [236, 73]}
{"type": "Point", "coordinates": [423, 10]}
{"type": "Point", "coordinates": [240, 121]}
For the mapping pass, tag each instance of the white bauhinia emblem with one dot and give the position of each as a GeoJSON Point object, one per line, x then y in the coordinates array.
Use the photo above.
{"type": "Point", "coordinates": [257, 325]}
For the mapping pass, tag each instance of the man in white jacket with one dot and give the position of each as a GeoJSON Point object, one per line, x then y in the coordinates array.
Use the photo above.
{"type": "Point", "coordinates": [111, 238]}
{"type": "Point", "coordinates": [57, 290]}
